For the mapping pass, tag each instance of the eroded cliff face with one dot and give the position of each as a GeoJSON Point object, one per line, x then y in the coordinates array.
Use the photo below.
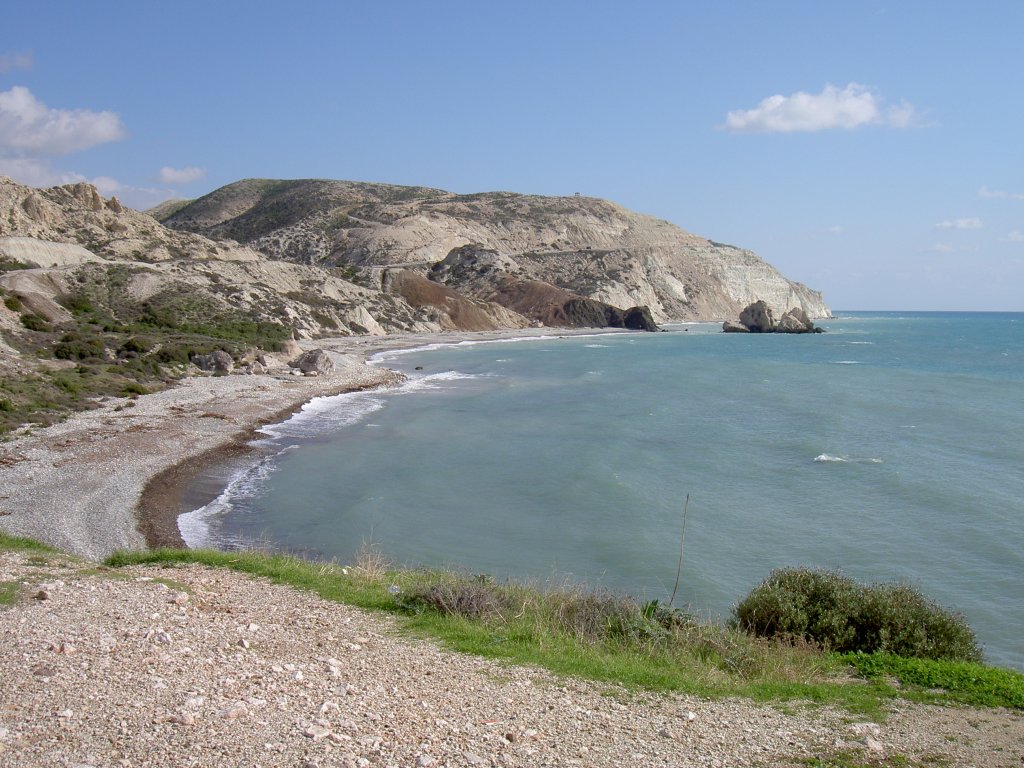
{"type": "Point", "coordinates": [588, 247]}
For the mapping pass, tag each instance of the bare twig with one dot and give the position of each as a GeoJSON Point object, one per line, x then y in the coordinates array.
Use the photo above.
{"type": "Point", "coordinates": [682, 541]}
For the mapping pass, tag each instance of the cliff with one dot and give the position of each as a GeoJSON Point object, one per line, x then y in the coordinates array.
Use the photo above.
{"type": "Point", "coordinates": [588, 247]}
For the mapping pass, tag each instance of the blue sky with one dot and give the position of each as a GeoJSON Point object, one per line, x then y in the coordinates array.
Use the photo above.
{"type": "Point", "coordinates": [872, 150]}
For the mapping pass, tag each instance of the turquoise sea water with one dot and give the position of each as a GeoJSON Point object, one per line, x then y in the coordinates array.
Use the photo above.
{"type": "Point", "coordinates": [891, 447]}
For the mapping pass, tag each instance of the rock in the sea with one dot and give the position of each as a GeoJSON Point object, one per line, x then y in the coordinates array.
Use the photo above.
{"type": "Point", "coordinates": [758, 317]}
{"type": "Point", "coordinates": [217, 361]}
{"type": "Point", "coordinates": [795, 321]}
{"type": "Point", "coordinates": [316, 362]}
{"type": "Point", "coordinates": [639, 319]}
{"type": "Point", "coordinates": [732, 326]}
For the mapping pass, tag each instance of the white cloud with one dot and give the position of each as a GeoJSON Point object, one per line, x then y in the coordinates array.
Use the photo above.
{"type": "Point", "coordinates": [36, 172]}
{"type": "Point", "coordinates": [835, 230]}
{"type": "Point", "coordinates": [29, 127]}
{"type": "Point", "coordinates": [12, 61]}
{"type": "Point", "coordinates": [180, 175]}
{"type": "Point", "coordinates": [1016, 236]}
{"type": "Point", "coordinates": [972, 222]}
{"type": "Point", "coordinates": [939, 248]}
{"type": "Point", "coordinates": [986, 192]}
{"type": "Point", "coordinates": [852, 107]}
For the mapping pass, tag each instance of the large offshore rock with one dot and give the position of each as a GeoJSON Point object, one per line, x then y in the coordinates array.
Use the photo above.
{"type": "Point", "coordinates": [758, 317]}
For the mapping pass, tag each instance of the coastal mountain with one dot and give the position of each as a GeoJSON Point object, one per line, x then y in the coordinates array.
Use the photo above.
{"type": "Point", "coordinates": [99, 299]}
{"type": "Point", "coordinates": [521, 251]}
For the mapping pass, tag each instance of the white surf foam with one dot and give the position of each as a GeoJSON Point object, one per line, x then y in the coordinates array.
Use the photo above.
{"type": "Point", "coordinates": [828, 458]}
{"type": "Point", "coordinates": [195, 526]}
{"type": "Point", "coordinates": [325, 414]}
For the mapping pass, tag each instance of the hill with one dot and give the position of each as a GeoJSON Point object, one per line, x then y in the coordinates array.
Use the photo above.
{"type": "Point", "coordinates": [585, 246]}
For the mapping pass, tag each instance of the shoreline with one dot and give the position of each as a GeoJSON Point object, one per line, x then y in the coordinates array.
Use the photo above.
{"type": "Point", "coordinates": [115, 477]}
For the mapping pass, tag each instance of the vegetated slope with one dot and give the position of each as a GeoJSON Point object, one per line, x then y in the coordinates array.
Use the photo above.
{"type": "Point", "coordinates": [589, 247]}
{"type": "Point", "coordinates": [97, 300]}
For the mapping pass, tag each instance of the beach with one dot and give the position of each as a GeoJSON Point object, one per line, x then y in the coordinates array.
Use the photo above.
{"type": "Point", "coordinates": [112, 478]}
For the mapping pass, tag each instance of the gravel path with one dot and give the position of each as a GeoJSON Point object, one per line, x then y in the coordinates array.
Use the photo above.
{"type": "Point", "coordinates": [190, 666]}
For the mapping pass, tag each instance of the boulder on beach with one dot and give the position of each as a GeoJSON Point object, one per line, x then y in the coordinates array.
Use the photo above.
{"type": "Point", "coordinates": [217, 361]}
{"type": "Point", "coordinates": [316, 362]}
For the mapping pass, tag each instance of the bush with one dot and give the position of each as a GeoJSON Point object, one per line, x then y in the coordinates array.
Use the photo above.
{"type": "Point", "coordinates": [34, 322]}
{"type": "Point", "coordinates": [843, 615]}
{"type": "Point", "coordinates": [75, 346]}
{"type": "Point", "coordinates": [13, 303]}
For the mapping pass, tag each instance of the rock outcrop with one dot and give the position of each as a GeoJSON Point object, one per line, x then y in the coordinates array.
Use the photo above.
{"type": "Point", "coordinates": [758, 318]}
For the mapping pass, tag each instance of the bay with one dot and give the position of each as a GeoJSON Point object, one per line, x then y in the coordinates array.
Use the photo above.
{"type": "Point", "coordinates": [888, 447]}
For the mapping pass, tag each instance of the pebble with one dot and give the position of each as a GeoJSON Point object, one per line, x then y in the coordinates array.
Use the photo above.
{"type": "Point", "coordinates": [316, 732]}
{"type": "Point", "coordinates": [234, 711]}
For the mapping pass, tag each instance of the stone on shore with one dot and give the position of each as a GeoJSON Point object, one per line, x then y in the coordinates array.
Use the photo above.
{"type": "Point", "coordinates": [316, 362]}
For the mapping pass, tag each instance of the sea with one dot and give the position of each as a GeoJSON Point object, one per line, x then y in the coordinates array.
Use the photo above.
{"type": "Point", "coordinates": [890, 448]}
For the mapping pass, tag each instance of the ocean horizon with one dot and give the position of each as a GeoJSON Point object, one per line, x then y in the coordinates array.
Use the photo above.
{"type": "Point", "coordinates": [887, 448]}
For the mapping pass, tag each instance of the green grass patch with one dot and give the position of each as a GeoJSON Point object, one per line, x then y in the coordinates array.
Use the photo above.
{"type": "Point", "coordinates": [9, 591]}
{"type": "Point", "coordinates": [573, 631]}
{"type": "Point", "coordinates": [937, 680]}
{"type": "Point", "coordinates": [21, 544]}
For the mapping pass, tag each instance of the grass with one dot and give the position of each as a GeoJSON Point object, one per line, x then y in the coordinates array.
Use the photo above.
{"type": "Point", "coordinates": [9, 593]}
{"type": "Point", "coordinates": [600, 636]}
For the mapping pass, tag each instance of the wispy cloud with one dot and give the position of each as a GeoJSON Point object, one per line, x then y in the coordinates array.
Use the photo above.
{"type": "Point", "coordinates": [29, 127]}
{"type": "Point", "coordinates": [187, 175]}
{"type": "Point", "coordinates": [972, 222]}
{"type": "Point", "coordinates": [836, 230]}
{"type": "Point", "coordinates": [986, 192]}
{"type": "Point", "coordinates": [12, 61]}
{"type": "Point", "coordinates": [1016, 236]}
{"type": "Point", "coordinates": [939, 248]}
{"type": "Point", "coordinates": [848, 108]}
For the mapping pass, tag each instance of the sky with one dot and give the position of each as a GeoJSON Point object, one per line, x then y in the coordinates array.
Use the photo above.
{"type": "Point", "coordinates": [871, 150]}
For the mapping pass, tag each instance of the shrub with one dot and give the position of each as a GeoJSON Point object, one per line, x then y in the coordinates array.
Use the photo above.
{"type": "Point", "coordinates": [34, 322]}
{"type": "Point", "coordinates": [842, 615]}
{"type": "Point", "coordinates": [473, 599]}
{"type": "Point", "coordinates": [75, 346]}
{"type": "Point", "coordinates": [137, 344]}
{"type": "Point", "coordinates": [13, 303]}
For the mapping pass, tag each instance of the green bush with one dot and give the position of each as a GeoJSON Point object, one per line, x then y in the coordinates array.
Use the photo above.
{"type": "Point", "coordinates": [843, 615]}
{"type": "Point", "coordinates": [76, 346]}
{"type": "Point", "coordinates": [13, 303]}
{"type": "Point", "coordinates": [34, 322]}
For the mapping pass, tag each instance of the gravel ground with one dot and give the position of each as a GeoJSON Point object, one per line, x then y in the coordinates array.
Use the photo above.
{"type": "Point", "coordinates": [191, 666]}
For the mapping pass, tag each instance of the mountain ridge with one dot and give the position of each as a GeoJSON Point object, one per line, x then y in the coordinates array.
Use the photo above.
{"type": "Point", "coordinates": [584, 245]}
